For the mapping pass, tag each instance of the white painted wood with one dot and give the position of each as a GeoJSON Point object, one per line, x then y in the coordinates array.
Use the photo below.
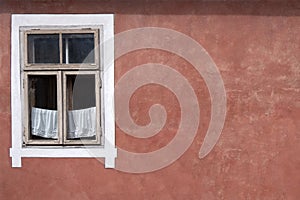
{"type": "Point", "coordinates": [63, 152]}
{"type": "Point", "coordinates": [16, 105]}
{"type": "Point", "coordinates": [108, 151]}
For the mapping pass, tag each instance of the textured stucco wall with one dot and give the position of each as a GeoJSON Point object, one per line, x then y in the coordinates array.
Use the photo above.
{"type": "Point", "coordinates": [256, 47]}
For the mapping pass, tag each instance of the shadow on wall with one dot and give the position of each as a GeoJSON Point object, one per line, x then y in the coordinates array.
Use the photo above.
{"type": "Point", "coordinates": [150, 7]}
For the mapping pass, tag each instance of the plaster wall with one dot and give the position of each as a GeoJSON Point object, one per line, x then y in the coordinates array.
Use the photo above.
{"type": "Point", "coordinates": [256, 47]}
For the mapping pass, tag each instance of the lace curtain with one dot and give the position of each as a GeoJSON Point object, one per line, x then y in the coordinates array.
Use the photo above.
{"type": "Point", "coordinates": [44, 123]}
{"type": "Point", "coordinates": [81, 123]}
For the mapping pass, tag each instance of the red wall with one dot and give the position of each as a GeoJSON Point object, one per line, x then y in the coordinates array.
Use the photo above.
{"type": "Point", "coordinates": [256, 47]}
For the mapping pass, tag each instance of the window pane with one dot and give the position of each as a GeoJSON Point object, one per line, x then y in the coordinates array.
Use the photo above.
{"type": "Point", "coordinates": [78, 48]}
{"type": "Point", "coordinates": [42, 100]}
{"type": "Point", "coordinates": [81, 107]}
{"type": "Point", "coordinates": [43, 48]}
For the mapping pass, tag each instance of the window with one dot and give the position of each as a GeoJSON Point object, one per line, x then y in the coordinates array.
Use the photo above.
{"type": "Point", "coordinates": [62, 82]}
{"type": "Point", "coordinates": [61, 86]}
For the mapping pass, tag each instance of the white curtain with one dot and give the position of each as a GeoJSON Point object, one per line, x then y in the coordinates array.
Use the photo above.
{"type": "Point", "coordinates": [44, 123]}
{"type": "Point", "coordinates": [81, 123]}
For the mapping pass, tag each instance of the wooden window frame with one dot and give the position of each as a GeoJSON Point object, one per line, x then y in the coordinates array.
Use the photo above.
{"type": "Point", "coordinates": [98, 108]}
{"type": "Point", "coordinates": [27, 140]}
{"type": "Point", "coordinates": [61, 109]}
{"type": "Point", "coordinates": [62, 66]}
{"type": "Point", "coordinates": [84, 22]}
{"type": "Point", "coordinates": [60, 70]}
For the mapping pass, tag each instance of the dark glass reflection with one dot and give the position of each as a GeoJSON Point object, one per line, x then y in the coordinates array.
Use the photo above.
{"type": "Point", "coordinates": [78, 48]}
{"type": "Point", "coordinates": [81, 104]}
{"type": "Point", "coordinates": [42, 91]}
{"type": "Point", "coordinates": [42, 96]}
{"type": "Point", "coordinates": [43, 48]}
{"type": "Point", "coordinates": [80, 91]}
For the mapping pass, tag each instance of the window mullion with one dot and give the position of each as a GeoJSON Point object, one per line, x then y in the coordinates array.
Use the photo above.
{"type": "Point", "coordinates": [64, 100]}
{"type": "Point", "coordinates": [60, 48]}
{"type": "Point", "coordinates": [60, 97]}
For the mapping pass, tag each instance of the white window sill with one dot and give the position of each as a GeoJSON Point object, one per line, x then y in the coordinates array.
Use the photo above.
{"type": "Point", "coordinates": [64, 152]}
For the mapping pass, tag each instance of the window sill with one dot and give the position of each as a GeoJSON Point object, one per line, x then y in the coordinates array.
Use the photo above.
{"type": "Point", "coordinates": [64, 152]}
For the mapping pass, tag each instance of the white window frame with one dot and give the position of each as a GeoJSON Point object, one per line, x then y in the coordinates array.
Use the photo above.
{"type": "Point", "coordinates": [108, 149]}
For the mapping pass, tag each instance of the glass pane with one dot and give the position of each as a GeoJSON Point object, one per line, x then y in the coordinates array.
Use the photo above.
{"type": "Point", "coordinates": [42, 100]}
{"type": "Point", "coordinates": [78, 48]}
{"type": "Point", "coordinates": [81, 107]}
{"type": "Point", "coordinates": [43, 48]}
